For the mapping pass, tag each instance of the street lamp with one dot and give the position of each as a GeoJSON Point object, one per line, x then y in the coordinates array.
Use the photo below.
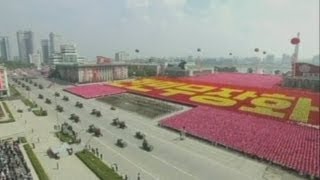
{"type": "Point", "coordinates": [137, 51]}
{"type": "Point", "coordinates": [199, 59]}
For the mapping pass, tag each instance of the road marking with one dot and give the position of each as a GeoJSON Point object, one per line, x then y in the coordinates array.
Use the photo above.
{"type": "Point", "coordinates": [175, 167]}
{"type": "Point", "coordinates": [119, 154]}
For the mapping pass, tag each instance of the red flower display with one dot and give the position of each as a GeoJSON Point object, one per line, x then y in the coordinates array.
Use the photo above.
{"type": "Point", "coordinates": [94, 90]}
{"type": "Point", "coordinates": [239, 79]}
{"type": "Point", "coordinates": [286, 144]}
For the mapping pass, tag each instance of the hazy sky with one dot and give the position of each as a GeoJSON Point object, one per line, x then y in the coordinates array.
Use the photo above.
{"type": "Point", "coordinates": [168, 27]}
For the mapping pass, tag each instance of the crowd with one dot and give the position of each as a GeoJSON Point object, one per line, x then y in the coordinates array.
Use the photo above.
{"type": "Point", "coordinates": [12, 163]}
{"type": "Point", "coordinates": [287, 144]}
{"type": "Point", "coordinates": [239, 79]}
{"type": "Point", "coordinates": [94, 90]}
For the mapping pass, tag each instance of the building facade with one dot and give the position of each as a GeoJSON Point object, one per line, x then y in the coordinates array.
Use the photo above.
{"type": "Point", "coordinates": [121, 56]}
{"type": "Point", "coordinates": [68, 55]}
{"type": "Point", "coordinates": [36, 59]}
{"type": "Point", "coordinates": [45, 51]}
{"type": "Point", "coordinates": [4, 49]}
{"type": "Point", "coordinates": [88, 73]}
{"type": "Point", "coordinates": [55, 41]}
{"type": "Point", "coordinates": [306, 76]}
{"type": "Point", "coordinates": [4, 86]}
{"type": "Point", "coordinates": [144, 69]}
{"type": "Point", "coordinates": [25, 45]}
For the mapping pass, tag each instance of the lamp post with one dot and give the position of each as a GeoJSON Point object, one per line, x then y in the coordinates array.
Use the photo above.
{"type": "Point", "coordinates": [199, 58]}
{"type": "Point", "coordinates": [295, 41]}
{"type": "Point", "coordinates": [137, 51]}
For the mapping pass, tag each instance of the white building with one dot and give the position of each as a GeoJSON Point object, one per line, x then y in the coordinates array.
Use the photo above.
{"type": "Point", "coordinates": [5, 48]}
{"type": "Point", "coordinates": [68, 55]}
{"type": "Point", "coordinates": [36, 59]}
{"type": "Point", "coordinates": [55, 41]}
{"type": "Point", "coordinates": [4, 86]}
{"type": "Point", "coordinates": [121, 56]}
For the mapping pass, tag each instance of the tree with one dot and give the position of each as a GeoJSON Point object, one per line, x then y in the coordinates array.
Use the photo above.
{"type": "Point", "coordinates": [277, 72]}
{"type": "Point", "coordinates": [250, 70]}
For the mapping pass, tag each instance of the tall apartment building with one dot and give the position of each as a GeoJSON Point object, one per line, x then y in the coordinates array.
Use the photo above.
{"type": "Point", "coordinates": [55, 41]}
{"type": "Point", "coordinates": [4, 48]}
{"type": "Point", "coordinates": [45, 49]}
{"type": "Point", "coordinates": [25, 45]}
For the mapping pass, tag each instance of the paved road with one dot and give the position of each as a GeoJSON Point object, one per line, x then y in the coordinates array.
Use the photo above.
{"type": "Point", "coordinates": [171, 158]}
{"type": "Point", "coordinates": [39, 128]}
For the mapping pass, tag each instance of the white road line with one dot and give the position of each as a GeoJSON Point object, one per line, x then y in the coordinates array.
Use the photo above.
{"type": "Point", "coordinates": [119, 154]}
{"type": "Point", "coordinates": [175, 167]}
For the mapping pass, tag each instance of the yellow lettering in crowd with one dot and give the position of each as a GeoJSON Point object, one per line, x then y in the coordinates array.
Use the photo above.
{"type": "Point", "coordinates": [196, 88]}
{"type": "Point", "coordinates": [280, 96]}
{"type": "Point", "coordinates": [138, 88]}
{"type": "Point", "coordinates": [267, 105]}
{"type": "Point", "coordinates": [157, 84]}
{"type": "Point", "coordinates": [225, 92]}
{"type": "Point", "coordinates": [118, 84]}
{"type": "Point", "coordinates": [246, 95]}
{"type": "Point", "coordinates": [213, 100]}
{"type": "Point", "coordinates": [302, 110]}
{"type": "Point", "coordinates": [141, 82]}
{"type": "Point", "coordinates": [170, 92]}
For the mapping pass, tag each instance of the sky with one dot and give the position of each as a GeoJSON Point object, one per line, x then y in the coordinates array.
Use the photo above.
{"type": "Point", "coordinates": [168, 28]}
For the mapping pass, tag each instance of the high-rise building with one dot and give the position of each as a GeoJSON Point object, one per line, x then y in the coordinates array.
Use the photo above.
{"type": "Point", "coordinates": [45, 51]}
{"type": "Point", "coordinates": [286, 59]}
{"type": "Point", "coordinates": [269, 59]}
{"type": "Point", "coordinates": [36, 59]}
{"type": "Point", "coordinates": [121, 56]}
{"type": "Point", "coordinates": [25, 44]}
{"type": "Point", "coordinates": [55, 43]}
{"type": "Point", "coordinates": [4, 49]}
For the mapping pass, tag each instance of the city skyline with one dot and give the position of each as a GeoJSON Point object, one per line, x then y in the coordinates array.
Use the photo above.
{"type": "Point", "coordinates": [169, 28]}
